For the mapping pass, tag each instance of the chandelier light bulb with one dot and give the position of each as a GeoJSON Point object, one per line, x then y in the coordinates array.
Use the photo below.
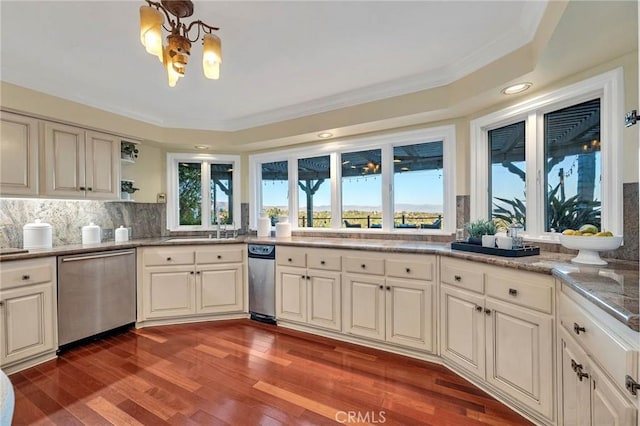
{"type": "Point", "coordinates": [211, 56]}
{"type": "Point", "coordinates": [151, 21]}
{"type": "Point", "coordinates": [172, 74]}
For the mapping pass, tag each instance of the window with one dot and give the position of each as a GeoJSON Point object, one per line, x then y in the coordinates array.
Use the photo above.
{"type": "Point", "coordinates": [201, 191]}
{"type": "Point", "coordinates": [396, 182]}
{"type": "Point", "coordinates": [314, 183]}
{"type": "Point", "coordinates": [552, 163]}
{"type": "Point", "coordinates": [274, 192]}
{"type": "Point", "coordinates": [362, 189]}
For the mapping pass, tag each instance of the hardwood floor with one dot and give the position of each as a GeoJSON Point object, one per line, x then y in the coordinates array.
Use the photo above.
{"type": "Point", "coordinates": [244, 373]}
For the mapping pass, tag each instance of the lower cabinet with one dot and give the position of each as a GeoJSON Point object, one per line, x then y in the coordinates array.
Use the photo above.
{"type": "Point", "coordinates": [191, 280]}
{"type": "Point", "coordinates": [498, 326]}
{"type": "Point", "coordinates": [28, 313]}
{"type": "Point", "coordinates": [587, 396]}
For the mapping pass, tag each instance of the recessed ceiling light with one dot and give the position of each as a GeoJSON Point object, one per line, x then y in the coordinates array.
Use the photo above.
{"type": "Point", "coordinates": [325, 135]}
{"type": "Point", "coordinates": [516, 88]}
{"type": "Point", "coordinates": [202, 146]}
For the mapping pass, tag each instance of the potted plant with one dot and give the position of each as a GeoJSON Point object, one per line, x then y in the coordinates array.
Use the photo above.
{"type": "Point", "coordinates": [128, 151]}
{"type": "Point", "coordinates": [479, 228]}
{"type": "Point", "coordinates": [126, 189]}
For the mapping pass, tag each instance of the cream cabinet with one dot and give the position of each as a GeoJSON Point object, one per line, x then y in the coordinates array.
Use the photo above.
{"type": "Point", "coordinates": [497, 323]}
{"type": "Point", "coordinates": [308, 288]}
{"type": "Point", "coordinates": [390, 298]}
{"type": "Point", "coordinates": [190, 281]}
{"type": "Point", "coordinates": [18, 155]}
{"type": "Point", "coordinates": [595, 362]}
{"type": "Point", "coordinates": [80, 163]}
{"type": "Point", "coordinates": [28, 313]}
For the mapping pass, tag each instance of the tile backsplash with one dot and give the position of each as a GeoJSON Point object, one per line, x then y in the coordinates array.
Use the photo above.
{"type": "Point", "coordinates": [67, 218]}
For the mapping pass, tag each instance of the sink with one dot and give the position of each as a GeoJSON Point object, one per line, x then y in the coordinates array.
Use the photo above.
{"type": "Point", "coordinates": [195, 239]}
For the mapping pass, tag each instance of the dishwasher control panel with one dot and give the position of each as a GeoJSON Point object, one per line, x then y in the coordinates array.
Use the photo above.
{"type": "Point", "coordinates": [263, 251]}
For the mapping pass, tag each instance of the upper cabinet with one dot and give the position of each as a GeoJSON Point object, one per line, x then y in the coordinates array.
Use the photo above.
{"type": "Point", "coordinates": [79, 163]}
{"type": "Point", "coordinates": [18, 155]}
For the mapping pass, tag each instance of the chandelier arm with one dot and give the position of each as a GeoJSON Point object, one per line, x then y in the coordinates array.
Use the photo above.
{"type": "Point", "coordinates": [200, 25]}
{"type": "Point", "coordinates": [166, 13]}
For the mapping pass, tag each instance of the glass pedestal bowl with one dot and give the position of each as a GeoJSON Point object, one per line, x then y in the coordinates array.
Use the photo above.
{"type": "Point", "coordinates": [589, 247]}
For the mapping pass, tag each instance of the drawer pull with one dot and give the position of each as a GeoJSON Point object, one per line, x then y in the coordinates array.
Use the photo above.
{"type": "Point", "coordinates": [89, 189]}
{"type": "Point", "coordinates": [577, 329]}
{"type": "Point", "coordinates": [363, 266]}
{"type": "Point", "coordinates": [26, 277]}
{"type": "Point", "coordinates": [487, 311]}
{"type": "Point", "coordinates": [577, 368]}
{"type": "Point", "coordinates": [82, 188]}
{"type": "Point", "coordinates": [381, 287]}
{"type": "Point", "coordinates": [289, 260]}
{"type": "Point", "coordinates": [408, 270]}
{"type": "Point", "coordinates": [479, 308]}
{"type": "Point", "coordinates": [322, 262]}
{"type": "Point", "coordinates": [513, 292]}
{"type": "Point", "coordinates": [457, 277]}
{"type": "Point", "coordinates": [219, 257]}
{"type": "Point", "coordinates": [191, 272]}
{"type": "Point", "coordinates": [631, 385]}
{"type": "Point", "coordinates": [168, 259]}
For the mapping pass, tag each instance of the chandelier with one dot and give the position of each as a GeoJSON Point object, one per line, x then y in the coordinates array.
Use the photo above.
{"type": "Point", "coordinates": [175, 55]}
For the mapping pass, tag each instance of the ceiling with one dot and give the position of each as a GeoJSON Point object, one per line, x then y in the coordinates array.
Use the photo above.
{"type": "Point", "coordinates": [281, 60]}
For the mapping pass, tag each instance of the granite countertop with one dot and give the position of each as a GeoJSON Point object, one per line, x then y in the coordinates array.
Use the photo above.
{"type": "Point", "coordinates": [613, 288]}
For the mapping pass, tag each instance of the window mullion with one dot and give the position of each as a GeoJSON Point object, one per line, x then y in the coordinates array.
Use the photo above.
{"type": "Point", "coordinates": [534, 156]}
{"type": "Point", "coordinates": [335, 171]}
{"type": "Point", "coordinates": [387, 187]}
{"type": "Point", "coordinates": [205, 180]}
{"type": "Point", "coordinates": [294, 206]}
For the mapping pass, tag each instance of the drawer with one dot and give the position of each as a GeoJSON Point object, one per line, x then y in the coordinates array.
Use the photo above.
{"type": "Point", "coordinates": [324, 260]}
{"type": "Point", "coordinates": [613, 354]}
{"type": "Point", "coordinates": [521, 288]}
{"type": "Point", "coordinates": [26, 272]}
{"type": "Point", "coordinates": [419, 269]}
{"type": "Point", "coordinates": [363, 265]}
{"type": "Point", "coordinates": [463, 274]}
{"type": "Point", "coordinates": [287, 256]}
{"type": "Point", "coordinates": [168, 257]}
{"type": "Point", "coordinates": [221, 255]}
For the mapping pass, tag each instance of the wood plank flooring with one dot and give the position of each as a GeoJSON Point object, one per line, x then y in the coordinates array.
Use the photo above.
{"type": "Point", "coordinates": [244, 373]}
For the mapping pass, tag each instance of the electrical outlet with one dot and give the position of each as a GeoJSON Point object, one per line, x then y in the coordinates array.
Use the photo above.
{"type": "Point", "coordinates": [107, 234]}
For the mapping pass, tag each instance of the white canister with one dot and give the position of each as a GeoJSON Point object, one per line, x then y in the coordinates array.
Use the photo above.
{"type": "Point", "coordinates": [283, 230]}
{"type": "Point", "coordinates": [91, 234]}
{"type": "Point", "coordinates": [264, 226]}
{"type": "Point", "coordinates": [122, 234]}
{"type": "Point", "coordinates": [37, 235]}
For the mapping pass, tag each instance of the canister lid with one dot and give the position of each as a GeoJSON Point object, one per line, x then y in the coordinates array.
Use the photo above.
{"type": "Point", "coordinates": [37, 224]}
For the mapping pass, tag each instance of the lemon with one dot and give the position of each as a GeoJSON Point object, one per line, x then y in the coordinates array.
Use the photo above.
{"type": "Point", "coordinates": [604, 234]}
{"type": "Point", "coordinates": [568, 232]}
{"type": "Point", "coordinates": [592, 229]}
{"type": "Point", "coordinates": [587, 234]}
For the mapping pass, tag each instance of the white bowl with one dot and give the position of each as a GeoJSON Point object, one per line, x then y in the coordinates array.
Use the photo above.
{"type": "Point", "coordinates": [588, 247]}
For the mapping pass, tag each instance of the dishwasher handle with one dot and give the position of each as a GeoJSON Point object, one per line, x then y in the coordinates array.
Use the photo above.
{"type": "Point", "coordinates": [97, 256]}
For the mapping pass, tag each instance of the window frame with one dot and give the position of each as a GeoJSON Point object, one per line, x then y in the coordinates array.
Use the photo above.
{"type": "Point", "coordinates": [173, 205]}
{"type": "Point", "coordinates": [386, 143]}
{"type": "Point", "coordinates": [609, 88]}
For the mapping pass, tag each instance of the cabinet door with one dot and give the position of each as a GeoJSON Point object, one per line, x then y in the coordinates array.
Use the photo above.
{"type": "Point", "coordinates": [291, 294]}
{"type": "Point", "coordinates": [18, 154]}
{"type": "Point", "coordinates": [64, 151]}
{"type": "Point", "coordinates": [219, 289]}
{"type": "Point", "coordinates": [324, 299]}
{"type": "Point", "coordinates": [28, 322]}
{"type": "Point", "coordinates": [608, 406]}
{"type": "Point", "coordinates": [364, 311]}
{"type": "Point", "coordinates": [102, 166]}
{"type": "Point", "coordinates": [168, 292]}
{"type": "Point", "coordinates": [520, 354]}
{"type": "Point", "coordinates": [410, 313]}
{"type": "Point", "coordinates": [462, 329]}
{"type": "Point", "coordinates": [574, 393]}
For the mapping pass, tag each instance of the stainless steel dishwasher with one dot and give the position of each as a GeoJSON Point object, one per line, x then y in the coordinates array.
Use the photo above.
{"type": "Point", "coordinates": [96, 294]}
{"type": "Point", "coordinates": [262, 282]}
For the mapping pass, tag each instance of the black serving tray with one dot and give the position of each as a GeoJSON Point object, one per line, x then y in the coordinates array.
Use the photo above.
{"type": "Point", "coordinates": [476, 248]}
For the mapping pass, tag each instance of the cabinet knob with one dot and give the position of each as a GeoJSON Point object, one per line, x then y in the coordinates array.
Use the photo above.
{"type": "Point", "coordinates": [219, 257]}
{"type": "Point", "coordinates": [381, 287]}
{"type": "Point", "coordinates": [26, 277]}
{"type": "Point", "coordinates": [408, 270]}
{"type": "Point", "coordinates": [289, 260]}
{"type": "Point", "coordinates": [457, 277]}
{"type": "Point", "coordinates": [82, 188]}
{"type": "Point", "coordinates": [577, 328]}
{"type": "Point", "coordinates": [322, 262]}
{"type": "Point", "coordinates": [479, 308]}
{"type": "Point", "coordinates": [389, 288]}
{"type": "Point", "coordinates": [198, 273]}
{"type": "Point", "coordinates": [363, 266]}
{"type": "Point", "coordinates": [304, 277]}
{"type": "Point", "coordinates": [89, 189]}
{"type": "Point", "coordinates": [513, 292]}
{"type": "Point", "coordinates": [1, 302]}
{"type": "Point", "coordinates": [487, 311]}
{"type": "Point", "coordinates": [168, 259]}
{"type": "Point", "coordinates": [191, 272]}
